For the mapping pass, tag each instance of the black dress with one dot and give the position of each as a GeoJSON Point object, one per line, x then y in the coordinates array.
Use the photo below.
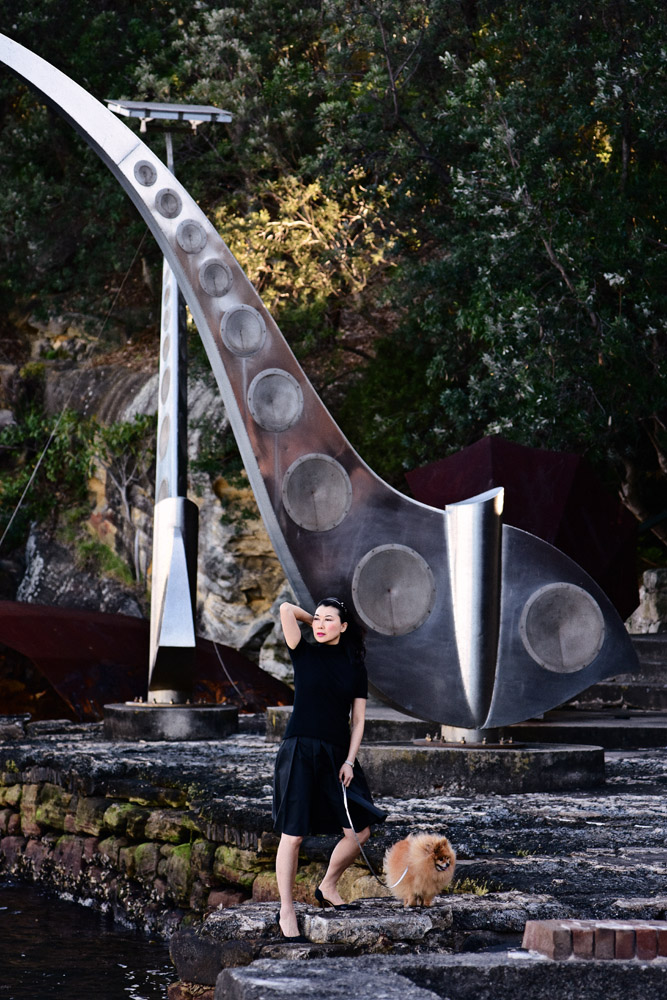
{"type": "Point", "coordinates": [307, 795]}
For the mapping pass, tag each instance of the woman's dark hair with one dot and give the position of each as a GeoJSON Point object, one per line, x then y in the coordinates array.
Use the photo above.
{"type": "Point", "coordinates": [353, 638]}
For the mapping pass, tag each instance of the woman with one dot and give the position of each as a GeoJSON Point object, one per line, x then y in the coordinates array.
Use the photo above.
{"type": "Point", "coordinates": [319, 750]}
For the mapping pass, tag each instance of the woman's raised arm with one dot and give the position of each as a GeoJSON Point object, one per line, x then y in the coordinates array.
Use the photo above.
{"type": "Point", "coordinates": [290, 616]}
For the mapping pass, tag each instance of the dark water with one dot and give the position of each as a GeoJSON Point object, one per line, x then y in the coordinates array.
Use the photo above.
{"type": "Point", "coordinates": [51, 948]}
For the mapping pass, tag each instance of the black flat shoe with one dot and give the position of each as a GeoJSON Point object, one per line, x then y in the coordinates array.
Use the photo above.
{"type": "Point", "coordinates": [293, 938]}
{"type": "Point", "coordinates": [323, 902]}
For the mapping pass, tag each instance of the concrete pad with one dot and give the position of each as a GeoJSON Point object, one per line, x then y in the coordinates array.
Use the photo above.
{"type": "Point", "coordinates": [383, 725]}
{"type": "Point", "coordinates": [425, 771]}
{"type": "Point", "coordinates": [134, 721]}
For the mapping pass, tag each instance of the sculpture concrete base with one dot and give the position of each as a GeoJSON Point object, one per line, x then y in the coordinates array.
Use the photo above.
{"type": "Point", "coordinates": [133, 721]}
{"type": "Point", "coordinates": [613, 729]}
{"type": "Point", "coordinates": [403, 771]}
{"type": "Point", "coordinates": [383, 725]}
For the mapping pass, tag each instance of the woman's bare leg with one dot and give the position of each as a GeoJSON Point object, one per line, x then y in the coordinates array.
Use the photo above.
{"type": "Point", "coordinates": [342, 856]}
{"type": "Point", "coordinates": [287, 860]}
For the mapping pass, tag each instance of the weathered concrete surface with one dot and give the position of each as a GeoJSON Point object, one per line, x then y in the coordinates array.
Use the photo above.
{"type": "Point", "coordinates": [496, 976]}
{"type": "Point", "coordinates": [435, 770]}
{"type": "Point", "coordinates": [169, 722]}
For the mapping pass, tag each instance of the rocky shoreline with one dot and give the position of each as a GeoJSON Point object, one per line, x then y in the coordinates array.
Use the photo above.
{"type": "Point", "coordinates": [176, 838]}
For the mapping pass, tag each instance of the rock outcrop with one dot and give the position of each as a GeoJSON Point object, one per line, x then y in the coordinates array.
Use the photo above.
{"type": "Point", "coordinates": [240, 580]}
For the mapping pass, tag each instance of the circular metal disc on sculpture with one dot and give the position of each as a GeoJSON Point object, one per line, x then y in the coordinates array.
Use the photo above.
{"type": "Point", "coordinates": [393, 589]}
{"type": "Point", "coordinates": [166, 319]}
{"type": "Point", "coordinates": [145, 173]}
{"type": "Point", "coordinates": [275, 399]}
{"type": "Point", "coordinates": [166, 345]}
{"type": "Point", "coordinates": [168, 203]}
{"type": "Point", "coordinates": [191, 236]}
{"type": "Point", "coordinates": [243, 331]}
{"type": "Point", "coordinates": [164, 436]}
{"type": "Point", "coordinates": [166, 384]}
{"type": "Point", "coordinates": [215, 277]}
{"type": "Point", "coordinates": [317, 492]}
{"type": "Point", "coordinates": [163, 492]}
{"type": "Point", "coordinates": [562, 627]}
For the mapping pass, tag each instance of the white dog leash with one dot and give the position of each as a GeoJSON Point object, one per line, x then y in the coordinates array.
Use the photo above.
{"type": "Point", "coordinates": [363, 853]}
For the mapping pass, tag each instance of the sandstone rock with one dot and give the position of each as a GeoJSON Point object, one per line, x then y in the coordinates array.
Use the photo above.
{"type": "Point", "coordinates": [5, 815]}
{"type": "Point", "coordinates": [226, 897]}
{"type": "Point", "coordinates": [146, 859]}
{"type": "Point", "coordinates": [90, 815]}
{"type": "Point", "coordinates": [236, 866]}
{"type": "Point", "coordinates": [179, 875]}
{"type": "Point", "coordinates": [29, 825]}
{"type": "Point", "coordinates": [52, 578]}
{"type": "Point", "coordinates": [110, 848]}
{"type": "Point", "coordinates": [169, 824]}
{"type": "Point", "coordinates": [68, 854]}
{"type": "Point", "coordinates": [651, 615]}
{"type": "Point", "coordinates": [11, 795]}
{"type": "Point", "coordinates": [201, 861]}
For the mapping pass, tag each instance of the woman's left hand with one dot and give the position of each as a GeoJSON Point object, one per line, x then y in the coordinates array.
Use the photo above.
{"type": "Point", "coordinates": [346, 774]}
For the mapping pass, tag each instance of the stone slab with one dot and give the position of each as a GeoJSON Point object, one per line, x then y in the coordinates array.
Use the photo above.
{"type": "Point", "coordinates": [425, 771]}
{"type": "Point", "coordinates": [612, 730]}
{"type": "Point", "coordinates": [139, 721]}
{"type": "Point", "coordinates": [505, 975]}
{"type": "Point", "coordinates": [263, 982]}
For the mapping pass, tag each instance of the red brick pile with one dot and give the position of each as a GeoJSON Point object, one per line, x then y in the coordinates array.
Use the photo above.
{"type": "Point", "coordinates": [601, 939]}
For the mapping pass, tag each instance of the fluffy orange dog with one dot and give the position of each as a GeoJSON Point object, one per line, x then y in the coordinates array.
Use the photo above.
{"type": "Point", "coordinates": [430, 861]}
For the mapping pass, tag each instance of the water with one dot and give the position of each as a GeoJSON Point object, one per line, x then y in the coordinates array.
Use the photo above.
{"type": "Point", "coordinates": [51, 948]}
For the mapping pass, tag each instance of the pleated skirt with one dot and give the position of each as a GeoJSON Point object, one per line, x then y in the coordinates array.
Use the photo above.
{"type": "Point", "coordinates": [307, 795]}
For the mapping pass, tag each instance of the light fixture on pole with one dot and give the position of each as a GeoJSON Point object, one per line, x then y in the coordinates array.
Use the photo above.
{"type": "Point", "coordinates": [175, 518]}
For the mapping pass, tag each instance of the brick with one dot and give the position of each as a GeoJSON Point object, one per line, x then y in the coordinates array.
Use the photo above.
{"type": "Point", "coordinates": [662, 941]}
{"type": "Point", "coordinates": [647, 942]}
{"type": "Point", "coordinates": [583, 940]}
{"type": "Point", "coordinates": [624, 942]}
{"type": "Point", "coordinates": [604, 941]}
{"type": "Point", "coordinates": [552, 938]}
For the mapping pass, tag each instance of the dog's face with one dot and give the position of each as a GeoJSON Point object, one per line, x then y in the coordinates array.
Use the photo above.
{"type": "Point", "coordinates": [442, 855]}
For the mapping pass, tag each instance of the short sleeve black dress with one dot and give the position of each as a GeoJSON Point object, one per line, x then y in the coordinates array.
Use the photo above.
{"type": "Point", "coordinates": [307, 795]}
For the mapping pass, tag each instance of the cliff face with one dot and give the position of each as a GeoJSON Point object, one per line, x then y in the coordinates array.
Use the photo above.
{"type": "Point", "coordinates": [240, 581]}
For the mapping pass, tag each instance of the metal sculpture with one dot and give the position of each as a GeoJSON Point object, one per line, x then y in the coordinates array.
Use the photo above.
{"type": "Point", "coordinates": [470, 623]}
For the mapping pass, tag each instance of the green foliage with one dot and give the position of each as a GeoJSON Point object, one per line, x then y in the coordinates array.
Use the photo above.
{"type": "Point", "coordinates": [62, 470]}
{"type": "Point", "coordinates": [45, 467]}
{"type": "Point", "coordinates": [492, 174]}
{"type": "Point", "coordinates": [307, 252]}
{"type": "Point", "coordinates": [98, 558]}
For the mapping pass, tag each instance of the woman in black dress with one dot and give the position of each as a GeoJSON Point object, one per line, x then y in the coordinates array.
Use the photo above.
{"type": "Point", "coordinates": [319, 750]}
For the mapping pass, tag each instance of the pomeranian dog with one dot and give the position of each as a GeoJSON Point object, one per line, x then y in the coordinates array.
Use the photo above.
{"type": "Point", "coordinates": [430, 861]}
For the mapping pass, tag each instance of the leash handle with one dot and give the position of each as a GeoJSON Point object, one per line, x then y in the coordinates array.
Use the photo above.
{"type": "Point", "coordinates": [363, 853]}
